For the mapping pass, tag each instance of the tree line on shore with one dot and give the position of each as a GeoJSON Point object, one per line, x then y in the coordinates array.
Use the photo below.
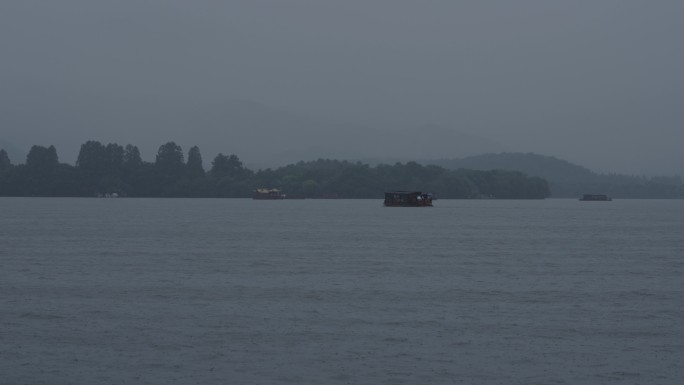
{"type": "Point", "coordinates": [567, 180]}
{"type": "Point", "coordinates": [115, 169]}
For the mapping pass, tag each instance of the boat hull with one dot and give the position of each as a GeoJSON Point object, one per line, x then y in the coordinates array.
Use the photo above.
{"type": "Point", "coordinates": [267, 194]}
{"type": "Point", "coordinates": [596, 198]}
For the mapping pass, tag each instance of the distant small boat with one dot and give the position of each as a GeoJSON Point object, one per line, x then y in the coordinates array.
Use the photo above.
{"type": "Point", "coordinates": [596, 197]}
{"type": "Point", "coordinates": [267, 194]}
{"type": "Point", "coordinates": [408, 199]}
{"type": "Point", "coordinates": [108, 195]}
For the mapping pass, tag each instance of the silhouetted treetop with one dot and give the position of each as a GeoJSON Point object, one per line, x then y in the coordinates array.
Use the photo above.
{"type": "Point", "coordinates": [226, 165]}
{"type": "Point", "coordinates": [5, 163]}
{"type": "Point", "coordinates": [92, 158]}
{"type": "Point", "coordinates": [42, 160]}
{"type": "Point", "coordinates": [194, 166]}
{"type": "Point", "coordinates": [105, 169]}
{"type": "Point", "coordinates": [170, 162]}
{"type": "Point", "coordinates": [131, 157]}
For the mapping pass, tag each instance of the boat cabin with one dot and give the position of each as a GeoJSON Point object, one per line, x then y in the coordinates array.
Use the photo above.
{"type": "Point", "coordinates": [264, 193]}
{"type": "Point", "coordinates": [408, 199]}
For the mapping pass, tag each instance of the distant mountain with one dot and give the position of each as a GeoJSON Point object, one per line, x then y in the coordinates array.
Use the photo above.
{"type": "Point", "coordinates": [262, 136]}
{"type": "Point", "coordinates": [570, 180]}
{"type": "Point", "coordinates": [431, 141]}
{"type": "Point", "coordinates": [267, 137]}
{"type": "Point", "coordinates": [532, 164]}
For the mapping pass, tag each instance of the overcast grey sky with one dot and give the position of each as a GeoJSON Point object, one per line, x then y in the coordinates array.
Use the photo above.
{"type": "Point", "coordinates": [599, 83]}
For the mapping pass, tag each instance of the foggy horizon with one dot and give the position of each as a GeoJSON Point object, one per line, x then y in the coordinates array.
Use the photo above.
{"type": "Point", "coordinates": [596, 84]}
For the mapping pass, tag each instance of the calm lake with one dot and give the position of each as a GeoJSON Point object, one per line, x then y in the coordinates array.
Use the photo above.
{"type": "Point", "coordinates": [236, 291]}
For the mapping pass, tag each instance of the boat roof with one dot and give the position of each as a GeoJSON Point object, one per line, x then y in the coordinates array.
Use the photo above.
{"type": "Point", "coordinates": [402, 192]}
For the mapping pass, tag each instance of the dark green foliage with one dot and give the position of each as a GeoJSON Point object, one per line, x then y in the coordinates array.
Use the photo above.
{"type": "Point", "coordinates": [42, 160]}
{"type": "Point", "coordinates": [131, 157]}
{"type": "Point", "coordinates": [331, 178]}
{"type": "Point", "coordinates": [528, 163]}
{"type": "Point", "coordinates": [169, 168]}
{"type": "Point", "coordinates": [38, 178]}
{"type": "Point", "coordinates": [42, 175]}
{"type": "Point", "coordinates": [5, 169]}
{"type": "Point", "coordinates": [5, 163]}
{"type": "Point", "coordinates": [102, 168]}
{"type": "Point", "coordinates": [114, 158]}
{"type": "Point", "coordinates": [170, 161]}
{"type": "Point", "coordinates": [92, 158]}
{"type": "Point", "coordinates": [226, 165]}
{"type": "Point", "coordinates": [230, 177]}
{"type": "Point", "coordinates": [143, 181]}
{"type": "Point", "coordinates": [194, 168]}
{"type": "Point", "coordinates": [502, 184]}
{"type": "Point", "coordinates": [567, 180]}
{"type": "Point", "coordinates": [112, 168]}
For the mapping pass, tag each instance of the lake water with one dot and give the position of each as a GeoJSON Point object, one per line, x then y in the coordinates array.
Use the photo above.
{"type": "Point", "coordinates": [235, 291]}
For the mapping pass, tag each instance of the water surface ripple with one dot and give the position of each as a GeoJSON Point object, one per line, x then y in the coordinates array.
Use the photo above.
{"type": "Point", "coordinates": [233, 291]}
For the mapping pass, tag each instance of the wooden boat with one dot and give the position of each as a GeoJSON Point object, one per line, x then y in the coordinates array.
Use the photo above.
{"type": "Point", "coordinates": [408, 199]}
{"type": "Point", "coordinates": [596, 197]}
{"type": "Point", "coordinates": [267, 194]}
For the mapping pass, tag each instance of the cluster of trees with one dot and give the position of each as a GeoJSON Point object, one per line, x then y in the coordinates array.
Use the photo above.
{"type": "Point", "coordinates": [567, 180]}
{"type": "Point", "coordinates": [112, 168]}
{"type": "Point", "coordinates": [628, 186]}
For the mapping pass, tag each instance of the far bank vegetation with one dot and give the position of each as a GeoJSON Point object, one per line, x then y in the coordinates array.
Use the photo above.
{"type": "Point", "coordinates": [115, 169]}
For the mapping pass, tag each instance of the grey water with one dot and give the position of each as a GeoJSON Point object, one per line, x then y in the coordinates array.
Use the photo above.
{"type": "Point", "coordinates": [236, 291]}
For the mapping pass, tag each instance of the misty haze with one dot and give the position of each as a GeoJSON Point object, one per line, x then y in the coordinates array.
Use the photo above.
{"type": "Point", "coordinates": [528, 152]}
{"type": "Point", "coordinates": [597, 84]}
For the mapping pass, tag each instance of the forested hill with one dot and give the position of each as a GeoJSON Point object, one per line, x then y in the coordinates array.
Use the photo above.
{"type": "Point", "coordinates": [529, 163]}
{"type": "Point", "coordinates": [570, 180]}
{"type": "Point", "coordinates": [112, 168]}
